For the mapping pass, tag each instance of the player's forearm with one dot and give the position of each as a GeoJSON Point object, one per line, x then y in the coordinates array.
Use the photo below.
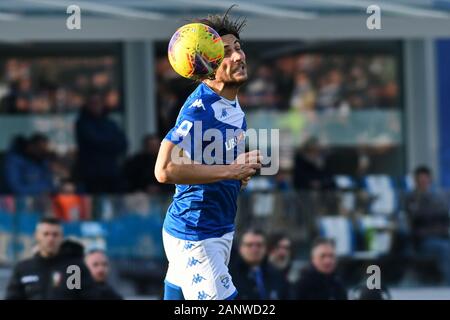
{"type": "Point", "coordinates": [192, 173]}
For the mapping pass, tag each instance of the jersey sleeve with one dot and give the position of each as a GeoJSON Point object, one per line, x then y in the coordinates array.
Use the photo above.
{"type": "Point", "coordinates": [188, 131]}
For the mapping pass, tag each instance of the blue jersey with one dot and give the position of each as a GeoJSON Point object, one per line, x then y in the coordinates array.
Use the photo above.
{"type": "Point", "coordinates": [211, 130]}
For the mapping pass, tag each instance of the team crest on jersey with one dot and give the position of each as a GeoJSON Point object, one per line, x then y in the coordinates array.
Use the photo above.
{"type": "Point", "coordinates": [197, 104]}
{"type": "Point", "coordinates": [225, 280]}
{"type": "Point", "coordinates": [224, 113]}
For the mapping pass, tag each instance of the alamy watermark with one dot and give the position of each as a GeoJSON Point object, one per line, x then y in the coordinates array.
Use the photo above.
{"type": "Point", "coordinates": [373, 22]}
{"type": "Point", "coordinates": [73, 22]}
{"type": "Point", "coordinates": [212, 147]}
{"type": "Point", "coordinates": [374, 280]}
{"type": "Point", "coordinates": [74, 279]}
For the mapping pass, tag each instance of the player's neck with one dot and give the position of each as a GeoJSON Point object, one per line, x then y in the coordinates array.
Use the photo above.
{"type": "Point", "coordinates": [226, 91]}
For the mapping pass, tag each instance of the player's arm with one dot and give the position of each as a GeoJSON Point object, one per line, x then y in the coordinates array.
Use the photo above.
{"type": "Point", "coordinates": [174, 168]}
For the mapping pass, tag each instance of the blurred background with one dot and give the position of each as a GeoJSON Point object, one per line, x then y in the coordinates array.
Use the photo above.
{"type": "Point", "coordinates": [365, 148]}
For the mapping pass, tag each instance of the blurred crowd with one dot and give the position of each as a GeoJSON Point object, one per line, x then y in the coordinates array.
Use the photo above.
{"type": "Point", "coordinates": [322, 82]}
{"type": "Point", "coordinates": [58, 266]}
{"type": "Point", "coordinates": [57, 84]}
{"type": "Point", "coordinates": [31, 168]}
{"type": "Point", "coordinates": [261, 267]}
{"type": "Point", "coordinates": [303, 82]}
{"type": "Point", "coordinates": [98, 165]}
{"type": "Point", "coordinates": [349, 103]}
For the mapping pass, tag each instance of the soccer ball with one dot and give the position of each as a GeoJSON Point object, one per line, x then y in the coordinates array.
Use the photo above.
{"type": "Point", "coordinates": [195, 51]}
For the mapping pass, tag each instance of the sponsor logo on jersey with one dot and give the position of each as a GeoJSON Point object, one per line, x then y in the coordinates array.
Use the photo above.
{"type": "Point", "coordinates": [197, 278]}
{"type": "Point", "coordinates": [202, 295]}
{"type": "Point", "coordinates": [233, 142]}
{"type": "Point", "coordinates": [197, 104]}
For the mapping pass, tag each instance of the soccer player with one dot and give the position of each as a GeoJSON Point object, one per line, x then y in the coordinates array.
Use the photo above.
{"type": "Point", "coordinates": [199, 225]}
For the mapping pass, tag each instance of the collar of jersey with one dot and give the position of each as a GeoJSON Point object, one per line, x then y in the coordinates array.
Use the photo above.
{"type": "Point", "coordinates": [232, 103]}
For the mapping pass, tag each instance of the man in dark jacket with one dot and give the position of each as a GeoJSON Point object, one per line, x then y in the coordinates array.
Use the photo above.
{"type": "Point", "coordinates": [428, 216]}
{"type": "Point", "coordinates": [318, 280]}
{"type": "Point", "coordinates": [310, 168]}
{"type": "Point", "coordinates": [101, 144]}
{"type": "Point", "coordinates": [98, 264]}
{"type": "Point", "coordinates": [56, 272]}
{"type": "Point", "coordinates": [139, 169]}
{"type": "Point", "coordinates": [280, 253]}
{"type": "Point", "coordinates": [253, 276]}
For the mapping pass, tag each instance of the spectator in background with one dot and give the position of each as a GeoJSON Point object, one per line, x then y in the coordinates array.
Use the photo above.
{"type": "Point", "coordinates": [330, 90]}
{"type": "Point", "coordinates": [261, 90]}
{"type": "Point", "coordinates": [318, 280]}
{"type": "Point", "coordinates": [253, 276]}
{"type": "Point", "coordinates": [428, 217]}
{"type": "Point", "coordinates": [101, 144]}
{"type": "Point", "coordinates": [310, 171]}
{"type": "Point", "coordinates": [303, 96]}
{"type": "Point", "coordinates": [68, 205]}
{"type": "Point", "coordinates": [284, 74]}
{"type": "Point", "coordinates": [27, 170]}
{"type": "Point", "coordinates": [139, 169]}
{"type": "Point", "coordinates": [98, 264]}
{"type": "Point", "coordinates": [112, 100]}
{"type": "Point", "coordinates": [44, 276]}
{"type": "Point", "coordinates": [279, 253]}
{"type": "Point", "coordinates": [24, 96]}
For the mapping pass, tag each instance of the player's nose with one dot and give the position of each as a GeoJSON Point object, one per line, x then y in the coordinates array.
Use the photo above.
{"type": "Point", "coordinates": [237, 57]}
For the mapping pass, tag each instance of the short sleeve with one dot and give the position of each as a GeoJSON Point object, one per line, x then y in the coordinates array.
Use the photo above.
{"type": "Point", "coordinates": [188, 131]}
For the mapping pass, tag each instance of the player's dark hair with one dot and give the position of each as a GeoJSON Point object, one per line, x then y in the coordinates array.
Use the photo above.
{"type": "Point", "coordinates": [422, 170]}
{"type": "Point", "coordinates": [322, 241]}
{"type": "Point", "coordinates": [50, 220]}
{"type": "Point", "coordinates": [223, 24]}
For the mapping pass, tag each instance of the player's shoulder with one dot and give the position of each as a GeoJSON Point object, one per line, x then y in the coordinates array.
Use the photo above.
{"type": "Point", "coordinates": [198, 104]}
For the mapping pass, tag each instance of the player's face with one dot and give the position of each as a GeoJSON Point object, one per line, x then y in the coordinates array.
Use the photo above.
{"type": "Point", "coordinates": [98, 265]}
{"type": "Point", "coordinates": [233, 69]}
{"type": "Point", "coordinates": [324, 258]}
{"type": "Point", "coordinates": [48, 238]}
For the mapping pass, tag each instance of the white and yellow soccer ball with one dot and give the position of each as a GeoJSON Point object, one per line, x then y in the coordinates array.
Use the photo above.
{"type": "Point", "coordinates": [195, 51]}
